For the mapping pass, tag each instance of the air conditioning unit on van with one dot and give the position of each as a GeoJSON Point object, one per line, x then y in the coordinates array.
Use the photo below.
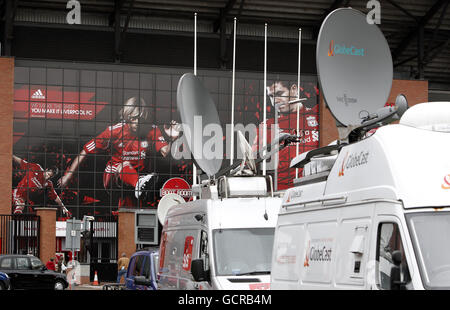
{"type": "Point", "coordinates": [248, 186]}
{"type": "Point", "coordinates": [146, 227]}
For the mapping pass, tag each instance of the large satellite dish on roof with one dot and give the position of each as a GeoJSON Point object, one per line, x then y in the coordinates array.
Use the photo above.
{"type": "Point", "coordinates": [197, 107]}
{"type": "Point", "coordinates": [354, 64]}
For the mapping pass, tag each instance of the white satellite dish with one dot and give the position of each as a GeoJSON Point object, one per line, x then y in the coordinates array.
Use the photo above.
{"type": "Point", "coordinates": [354, 65]}
{"type": "Point", "coordinates": [248, 157]}
{"type": "Point", "coordinates": [165, 203]}
{"type": "Point", "coordinates": [195, 102]}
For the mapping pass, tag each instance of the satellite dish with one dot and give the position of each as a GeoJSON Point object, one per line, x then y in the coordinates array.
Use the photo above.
{"type": "Point", "coordinates": [195, 105]}
{"type": "Point", "coordinates": [247, 152]}
{"type": "Point", "coordinates": [354, 64]}
{"type": "Point", "coordinates": [401, 103]}
{"type": "Point", "coordinates": [165, 203]}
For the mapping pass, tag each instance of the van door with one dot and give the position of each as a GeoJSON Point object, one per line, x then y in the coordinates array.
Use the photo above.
{"type": "Point", "coordinates": [390, 240]}
{"type": "Point", "coordinates": [129, 277]}
{"type": "Point", "coordinates": [352, 250]}
{"type": "Point", "coordinates": [176, 257]}
{"type": "Point", "coordinates": [203, 254]}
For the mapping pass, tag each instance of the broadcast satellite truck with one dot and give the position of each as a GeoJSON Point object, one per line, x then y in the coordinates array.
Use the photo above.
{"type": "Point", "coordinates": [224, 238]}
{"type": "Point", "coordinates": [371, 211]}
{"type": "Point", "coordinates": [219, 243]}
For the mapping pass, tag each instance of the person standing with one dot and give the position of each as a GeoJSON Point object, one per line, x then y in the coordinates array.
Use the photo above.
{"type": "Point", "coordinates": [51, 264]}
{"type": "Point", "coordinates": [122, 266]}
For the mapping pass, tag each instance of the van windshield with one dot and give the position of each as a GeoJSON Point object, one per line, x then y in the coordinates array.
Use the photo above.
{"type": "Point", "coordinates": [430, 232]}
{"type": "Point", "coordinates": [243, 251]}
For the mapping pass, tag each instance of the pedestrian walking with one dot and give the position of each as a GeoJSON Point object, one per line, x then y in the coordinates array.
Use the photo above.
{"type": "Point", "coordinates": [122, 266]}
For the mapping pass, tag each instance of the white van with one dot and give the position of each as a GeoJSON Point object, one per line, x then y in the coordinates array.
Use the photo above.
{"type": "Point", "coordinates": [223, 240]}
{"type": "Point", "coordinates": [374, 216]}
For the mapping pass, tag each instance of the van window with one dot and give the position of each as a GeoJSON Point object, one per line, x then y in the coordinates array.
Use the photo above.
{"type": "Point", "coordinates": [203, 254]}
{"type": "Point", "coordinates": [139, 263]}
{"type": "Point", "coordinates": [243, 251]}
{"type": "Point", "coordinates": [131, 265]}
{"type": "Point", "coordinates": [146, 269]}
{"type": "Point", "coordinates": [429, 232]}
{"type": "Point", "coordinates": [389, 240]}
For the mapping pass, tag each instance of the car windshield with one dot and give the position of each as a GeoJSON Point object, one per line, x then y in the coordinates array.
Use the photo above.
{"type": "Point", "coordinates": [243, 251]}
{"type": "Point", "coordinates": [36, 263]}
{"type": "Point", "coordinates": [430, 232]}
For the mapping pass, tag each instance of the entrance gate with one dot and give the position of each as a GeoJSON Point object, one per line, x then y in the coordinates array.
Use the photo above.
{"type": "Point", "coordinates": [104, 248]}
{"type": "Point", "coordinates": [19, 234]}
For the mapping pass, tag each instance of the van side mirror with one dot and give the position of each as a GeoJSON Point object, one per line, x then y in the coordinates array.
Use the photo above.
{"type": "Point", "coordinates": [142, 280]}
{"type": "Point", "coordinates": [397, 257]}
{"type": "Point", "coordinates": [198, 270]}
{"type": "Point", "coordinates": [395, 277]}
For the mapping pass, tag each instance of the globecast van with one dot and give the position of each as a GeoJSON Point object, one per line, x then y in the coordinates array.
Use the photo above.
{"type": "Point", "coordinates": [223, 240]}
{"type": "Point", "coordinates": [376, 215]}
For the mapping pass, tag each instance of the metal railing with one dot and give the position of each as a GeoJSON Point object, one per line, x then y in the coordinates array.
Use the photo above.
{"type": "Point", "coordinates": [19, 234]}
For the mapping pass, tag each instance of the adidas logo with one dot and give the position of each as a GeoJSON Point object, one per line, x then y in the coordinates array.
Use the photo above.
{"type": "Point", "coordinates": [38, 95]}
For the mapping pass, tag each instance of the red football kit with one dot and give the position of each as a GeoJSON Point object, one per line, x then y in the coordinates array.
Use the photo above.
{"type": "Point", "coordinates": [128, 153]}
{"type": "Point", "coordinates": [33, 185]}
{"type": "Point", "coordinates": [308, 126]}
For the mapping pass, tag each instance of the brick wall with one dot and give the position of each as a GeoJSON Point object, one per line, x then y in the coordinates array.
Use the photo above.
{"type": "Point", "coordinates": [127, 243]}
{"type": "Point", "coordinates": [415, 91]}
{"type": "Point", "coordinates": [47, 239]}
{"type": "Point", "coordinates": [6, 128]}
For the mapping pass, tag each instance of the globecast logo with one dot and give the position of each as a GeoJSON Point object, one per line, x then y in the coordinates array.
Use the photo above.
{"type": "Point", "coordinates": [446, 183]}
{"type": "Point", "coordinates": [337, 49]}
{"type": "Point", "coordinates": [354, 160]}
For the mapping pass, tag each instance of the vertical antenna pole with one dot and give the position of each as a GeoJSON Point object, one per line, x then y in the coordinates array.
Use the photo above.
{"type": "Point", "coordinates": [298, 92]}
{"type": "Point", "coordinates": [195, 43]}
{"type": "Point", "coordinates": [232, 94]}
{"type": "Point", "coordinates": [194, 168]}
{"type": "Point", "coordinates": [264, 98]}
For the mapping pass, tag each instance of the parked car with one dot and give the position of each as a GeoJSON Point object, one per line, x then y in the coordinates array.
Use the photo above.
{"type": "Point", "coordinates": [142, 270]}
{"type": "Point", "coordinates": [28, 272]}
{"type": "Point", "coordinates": [4, 281]}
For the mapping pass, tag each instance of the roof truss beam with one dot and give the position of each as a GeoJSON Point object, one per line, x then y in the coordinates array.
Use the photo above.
{"type": "Point", "coordinates": [421, 24]}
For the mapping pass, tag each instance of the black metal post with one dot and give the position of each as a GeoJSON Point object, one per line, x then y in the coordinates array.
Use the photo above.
{"type": "Point", "coordinates": [420, 55]}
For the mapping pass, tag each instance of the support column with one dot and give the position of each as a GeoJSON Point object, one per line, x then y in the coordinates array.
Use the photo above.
{"type": "Point", "coordinates": [6, 128]}
{"type": "Point", "coordinates": [420, 55]}
{"type": "Point", "coordinates": [47, 233]}
{"type": "Point", "coordinates": [126, 232]}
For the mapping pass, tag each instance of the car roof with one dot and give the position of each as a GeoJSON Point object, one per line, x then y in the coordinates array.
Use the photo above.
{"type": "Point", "coordinates": [16, 255]}
{"type": "Point", "coordinates": [144, 252]}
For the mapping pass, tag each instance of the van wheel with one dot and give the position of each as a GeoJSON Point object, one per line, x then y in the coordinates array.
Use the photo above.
{"type": "Point", "coordinates": [2, 286]}
{"type": "Point", "coordinates": [59, 285]}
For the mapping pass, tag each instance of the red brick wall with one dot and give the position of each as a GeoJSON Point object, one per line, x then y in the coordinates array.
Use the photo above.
{"type": "Point", "coordinates": [6, 128]}
{"type": "Point", "coordinates": [415, 91]}
{"type": "Point", "coordinates": [47, 239]}
{"type": "Point", "coordinates": [127, 223]}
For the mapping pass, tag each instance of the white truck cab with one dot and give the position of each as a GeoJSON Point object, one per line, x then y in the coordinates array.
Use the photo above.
{"type": "Point", "coordinates": [374, 216]}
{"type": "Point", "coordinates": [223, 240]}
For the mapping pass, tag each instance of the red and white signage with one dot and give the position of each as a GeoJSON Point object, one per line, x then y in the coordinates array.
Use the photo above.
{"type": "Point", "coordinates": [177, 186]}
{"type": "Point", "coordinates": [187, 253]}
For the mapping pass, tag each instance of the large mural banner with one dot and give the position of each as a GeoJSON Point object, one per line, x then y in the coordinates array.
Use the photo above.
{"type": "Point", "coordinates": [92, 141]}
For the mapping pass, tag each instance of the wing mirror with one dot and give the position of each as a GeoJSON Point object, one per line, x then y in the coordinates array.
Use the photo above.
{"type": "Point", "coordinates": [198, 270]}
